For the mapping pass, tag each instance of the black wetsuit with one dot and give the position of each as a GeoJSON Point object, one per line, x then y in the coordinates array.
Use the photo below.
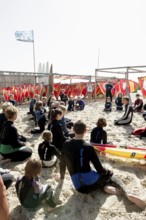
{"type": "Point", "coordinates": [9, 137]}
{"type": "Point", "coordinates": [138, 104]}
{"type": "Point", "coordinates": [64, 98]}
{"type": "Point", "coordinates": [46, 151]}
{"type": "Point", "coordinates": [119, 103]}
{"type": "Point", "coordinates": [99, 136]}
{"type": "Point", "coordinates": [71, 105]}
{"type": "Point", "coordinates": [108, 88]}
{"type": "Point", "coordinates": [2, 120]}
{"type": "Point", "coordinates": [127, 117]}
{"type": "Point", "coordinates": [77, 156]}
{"type": "Point", "coordinates": [58, 137]}
{"type": "Point", "coordinates": [108, 106]}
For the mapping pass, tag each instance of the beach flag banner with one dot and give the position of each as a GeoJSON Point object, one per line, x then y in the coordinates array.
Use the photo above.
{"type": "Point", "coordinates": [142, 83]}
{"type": "Point", "coordinates": [25, 36]}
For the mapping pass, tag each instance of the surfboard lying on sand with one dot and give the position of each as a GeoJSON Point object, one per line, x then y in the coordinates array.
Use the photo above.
{"type": "Point", "coordinates": [103, 145]}
{"type": "Point", "coordinates": [127, 153]}
{"type": "Point", "coordinates": [114, 146]}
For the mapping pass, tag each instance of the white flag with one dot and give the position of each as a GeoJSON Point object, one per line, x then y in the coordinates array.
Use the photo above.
{"type": "Point", "coordinates": [26, 36]}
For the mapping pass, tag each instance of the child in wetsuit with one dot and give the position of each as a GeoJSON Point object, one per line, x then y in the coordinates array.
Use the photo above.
{"type": "Point", "coordinates": [29, 189]}
{"type": "Point", "coordinates": [40, 117]}
{"type": "Point", "coordinates": [138, 104]}
{"type": "Point", "coordinates": [98, 135]}
{"type": "Point", "coordinates": [119, 101]}
{"type": "Point", "coordinates": [108, 104]}
{"type": "Point", "coordinates": [47, 152]}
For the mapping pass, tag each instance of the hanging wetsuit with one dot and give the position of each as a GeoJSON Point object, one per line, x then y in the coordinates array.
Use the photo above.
{"type": "Point", "coordinates": [127, 117]}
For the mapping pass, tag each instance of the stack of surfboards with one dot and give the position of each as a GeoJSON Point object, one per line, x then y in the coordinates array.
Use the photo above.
{"type": "Point", "coordinates": [127, 152]}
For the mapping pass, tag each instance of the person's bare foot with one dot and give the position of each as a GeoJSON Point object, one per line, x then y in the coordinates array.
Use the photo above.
{"type": "Point", "coordinates": [137, 201]}
{"type": "Point", "coordinates": [113, 190]}
{"type": "Point", "coordinates": [56, 207]}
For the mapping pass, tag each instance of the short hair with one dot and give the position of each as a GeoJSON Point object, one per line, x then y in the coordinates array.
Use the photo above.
{"type": "Point", "coordinates": [33, 168]}
{"type": "Point", "coordinates": [101, 122]}
{"type": "Point", "coordinates": [137, 95]}
{"type": "Point", "coordinates": [79, 127]}
{"type": "Point", "coordinates": [47, 136]}
{"type": "Point", "coordinates": [126, 98]}
{"type": "Point", "coordinates": [10, 112]}
{"type": "Point", "coordinates": [38, 104]}
{"type": "Point", "coordinates": [6, 105]}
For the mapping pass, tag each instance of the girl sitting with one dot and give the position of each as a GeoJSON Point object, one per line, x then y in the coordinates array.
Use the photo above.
{"type": "Point", "coordinates": [98, 135]}
{"type": "Point", "coordinates": [12, 147]}
{"type": "Point", "coordinates": [108, 104]}
{"type": "Point", "coordinates": [119, 101]}
{"type": "Point", "coordinates": [47, 152]}
{"type": "Point", "coordinates": [29, 190]}
{"type": "Point", "coordinates": [40, 117]}
{"type": "Point", "coordinates": [56, 128]}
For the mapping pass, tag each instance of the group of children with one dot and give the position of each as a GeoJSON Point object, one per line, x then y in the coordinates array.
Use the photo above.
{"type": "Point", "coordinates": [58, 145]}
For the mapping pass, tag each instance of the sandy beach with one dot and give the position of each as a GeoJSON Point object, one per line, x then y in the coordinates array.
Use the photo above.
{"type": "Point", "coordinates": [99, 206]}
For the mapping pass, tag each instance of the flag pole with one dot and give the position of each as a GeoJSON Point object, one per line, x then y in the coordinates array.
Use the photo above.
{"type": "Point", "coordinates": [33, 51]}
{"type": "Point", "coordinates": [96, 72]}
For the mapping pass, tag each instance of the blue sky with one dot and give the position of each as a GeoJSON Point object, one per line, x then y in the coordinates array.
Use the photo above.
{"type": "Point", "coordinates": [69, 33]}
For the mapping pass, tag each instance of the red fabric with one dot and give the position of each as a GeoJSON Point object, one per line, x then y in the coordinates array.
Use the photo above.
{"type": "Point", "coordinates": [142, 83]}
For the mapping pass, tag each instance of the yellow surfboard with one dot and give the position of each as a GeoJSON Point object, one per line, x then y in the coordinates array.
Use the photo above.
{"type": "Point", "coordinates": [127, 153]}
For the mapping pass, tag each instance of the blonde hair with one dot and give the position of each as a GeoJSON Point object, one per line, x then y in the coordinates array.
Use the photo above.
{"type": "Point", "coordinates": [62, 107]}
{"type": "Point", "coordinates": [10, 112]}
{"type": "Point", "coordinates": [33, 168]}
{"type": "Point", "coordinates": [6, 105]}
{"type": "Point", "coordinates": [47, 136]}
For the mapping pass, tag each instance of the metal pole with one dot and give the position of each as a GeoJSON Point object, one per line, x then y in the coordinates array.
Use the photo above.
{"type": "Point", "coordinates": [33, 51]}
{"type": "Point", "coordinates": [127, 90]}
{"type": "Point", "coordinates": [96, 72]}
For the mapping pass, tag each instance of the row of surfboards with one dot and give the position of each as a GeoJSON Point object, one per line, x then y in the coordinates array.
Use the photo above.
{"type": "Point", "coordinates": [127, 152]}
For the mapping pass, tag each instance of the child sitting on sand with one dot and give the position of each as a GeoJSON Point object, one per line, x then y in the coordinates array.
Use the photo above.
{"type": "Point", "coordinates": [108, 104]}
{"type": "Point", "coordinates": [80, 104]}
{"type": "Point", "coordinates": [29, 190]}
{"type": "Point", "coordinates": [12, 145]}
{"type": "Point", "coordinates": [119, 101]}
{"type": "Point", "coordinates": [47, 152]}
{"type": "Point", "coordinates": [12, 100]}
{"type": "Point", "coordinates": [2, 115]}
{"type": "Point", "coordinates": [32, 104]}
{"type": "Point", "coordinates": [56, 128]}
{"type": "Point", "coordinates": [71, 104]}
{"type": "Point", "coordinates": [128, 115]}
{"type": "Point", "coordinates": [138, 104]}
{"type": "Point", "coordinates": [98, 135]}
{"type": "Point", "coordinates": [40, 117]}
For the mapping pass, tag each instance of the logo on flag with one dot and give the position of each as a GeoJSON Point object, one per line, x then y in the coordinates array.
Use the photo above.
{"type": "Point", "coordinates": [25, 36]}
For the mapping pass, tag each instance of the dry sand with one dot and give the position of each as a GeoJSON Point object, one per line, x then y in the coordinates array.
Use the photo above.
{"type": "Point", "coordinates": [99, 206]}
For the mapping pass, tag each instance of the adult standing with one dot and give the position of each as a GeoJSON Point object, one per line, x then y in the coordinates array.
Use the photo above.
{"type": "Point", "coordinates": [89, 90]}
{"type": "Point", "coordinates": [108, 88]}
